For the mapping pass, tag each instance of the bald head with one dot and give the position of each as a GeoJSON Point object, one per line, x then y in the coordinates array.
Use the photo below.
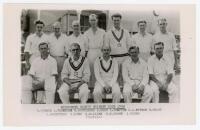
{"type": "Point", "coordinates": [106, 49]}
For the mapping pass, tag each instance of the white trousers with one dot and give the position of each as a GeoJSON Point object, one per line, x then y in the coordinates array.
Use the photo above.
{"type": "Point", "coordinates": [172, 91]}
{"type": "Point", "coordinates": [128, 93]}
{"type": "Point", "coordinates": [27, 88]}
{"type": "Point", "coordinates": [60, 61]}
{"type": "Point", "coordinates": [120, 60]}
{"type": "Point", "coordinates": [99, 93]}
{"type": "Point", "coordinates": [64, 93]}
{"type": "Point", "coordinates": [92, 55]}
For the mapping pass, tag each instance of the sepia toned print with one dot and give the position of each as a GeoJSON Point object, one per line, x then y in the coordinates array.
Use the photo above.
{"type": "Point", "coordinates": [119, 49]}
{"type": "Point", "coordinates": [99, 64]}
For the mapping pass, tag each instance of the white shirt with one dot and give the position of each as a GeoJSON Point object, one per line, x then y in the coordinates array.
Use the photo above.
{"type": "Point", "coordinates": [57, 45]}
{"type": "Point", "coordinates": [76, 69]}
{"type": "Point", "coordinates": [168, 39]}
{"type": "Point", "coordinates": [43, 68]}
{"type": "Point", "coordinates": [121, 46]}
{"type": "Point", "coordinates": [169, 43]}
{"type": "Point", "coordinates": [76, 39]}
{"type": "Point", "coordinates": [144, 42]}
{"type": "Point", "coordinates": [94, 40]}
{"type": "Point", "coordinates": [160, 68]}
{"type": "Point", "coordinates": [107, 72]}
{"type": "Point", "coordinates": [33, 41]}
{"type": "Point", "coordinates": [134, 72]}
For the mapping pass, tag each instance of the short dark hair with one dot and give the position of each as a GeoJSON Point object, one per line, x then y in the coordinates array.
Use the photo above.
{"type": "Point", "coordinates": [43, 43]}
{"type": "Point", "coordinates": [116, 15]}
{"type": "Point", "coordinates": [158, 43]}
{"type": "Point", "coordinates": [39, 22]}
{"type": "Point", "coordinates": [134, 47]}
{"type": "Point", "coordinates": [141, 21]}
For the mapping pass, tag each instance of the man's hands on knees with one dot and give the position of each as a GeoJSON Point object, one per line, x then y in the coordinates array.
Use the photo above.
{"type": "Point", "coordinates": [59, 82]}
{"type": "Point", "coordinates": [134, 87]}
{"type": "Point", "coordinates": [81, 83]}
{"type": "Point", "coordinates": [138, 88]}
{"type": "Point", "coordinates": [107, 89]}
{"type": "Point", "coordinates": [73, 90]}
{"type": "Point", "coordinates": [165, 86]}
{"type": "Point", "coordinates": [38, 83]}
{"type": "Point", "coordinates": [159, 84]}
{"type": "Point", "coordinates": [67, 81]}
{"type": "Point", "coordinates": [162, 86]}
{"type": "Point", "coordinates": [71, 81]}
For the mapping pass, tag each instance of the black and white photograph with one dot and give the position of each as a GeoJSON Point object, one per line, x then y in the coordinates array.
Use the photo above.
{"type": "Point", "coordinates": [99, 64]}
{"type": "Point", "coordinates": [100, 56]}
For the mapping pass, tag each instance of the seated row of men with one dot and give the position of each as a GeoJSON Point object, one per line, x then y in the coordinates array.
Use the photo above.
{"type": "Point", "coordinates": [146, 79]}
{"type": "Point", "coordinates": [92, 40]}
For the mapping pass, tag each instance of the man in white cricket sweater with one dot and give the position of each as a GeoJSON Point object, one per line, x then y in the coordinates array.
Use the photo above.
{"type": "Point", "coordinates": [106, 73]}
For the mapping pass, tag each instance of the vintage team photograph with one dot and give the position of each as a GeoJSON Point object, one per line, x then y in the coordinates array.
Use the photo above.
{"type": "Point", "coordinates": [100, 56]}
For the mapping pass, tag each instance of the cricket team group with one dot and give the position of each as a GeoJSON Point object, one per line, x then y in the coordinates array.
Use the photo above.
{"type": "Point", "coordinates": [113, 63]}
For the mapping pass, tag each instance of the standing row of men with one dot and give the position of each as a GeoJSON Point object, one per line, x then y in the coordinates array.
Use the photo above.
{"type": "Point", "coordinates": [120, 63]}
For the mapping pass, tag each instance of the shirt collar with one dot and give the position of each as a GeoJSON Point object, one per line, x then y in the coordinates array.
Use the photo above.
{"type": "Point", "coordinates": [145, 34]}
{"type": "Point", "coordinates": [162, 58]}
{"type": "Point", "coordinates": [104, 60]}
{"type": "Point", "coordinates": [77, 36]}
{"type": "Point", "coordinates": [91, 32]}
{"type": "Point", "coordinates": [167, 32]}
{"type": "Point", "coordinates": [46, 58]}
{"type": "Point", "coordinates": [90, 29]}
{"type": "Point", "coordinates": [79, 60]}
{"type": "Point", "coordinates": [114, 29]}
{"type": "Point", "coordinates": [55, 35]}
{"type": "Point", "coordinates": [37, 35]}
{"type": "Point", "coordinates": [130, 60]}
